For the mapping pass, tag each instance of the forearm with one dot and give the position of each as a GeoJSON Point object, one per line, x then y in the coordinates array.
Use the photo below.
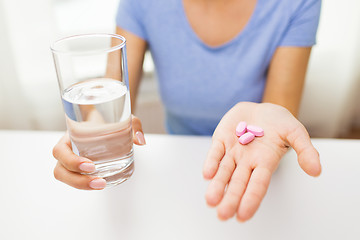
{"type": "Point", "coordinates": [288, 97]}
{"type": "Point", "coordinates": [135, 48]}
{"type": "Point", "coordinates": [286, 77]}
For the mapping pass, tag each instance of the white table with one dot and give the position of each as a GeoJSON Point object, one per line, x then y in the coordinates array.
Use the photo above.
{"type": "Point", "coordinates": [164, 199]}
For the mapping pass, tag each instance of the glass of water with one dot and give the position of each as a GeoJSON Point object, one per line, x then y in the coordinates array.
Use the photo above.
{"type": "Point", "coordinates": [93, 82]}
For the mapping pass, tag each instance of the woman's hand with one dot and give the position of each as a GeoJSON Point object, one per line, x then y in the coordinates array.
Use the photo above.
{"type": "Point", "coordinates": [240, 174]}
{"type": "Point", "coordinates": [70, 166]}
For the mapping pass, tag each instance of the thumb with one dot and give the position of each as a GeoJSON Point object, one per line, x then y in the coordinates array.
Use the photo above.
{"type": "Point", "coordinates": [308, 156]}
{"type": "Point", "coordinates": [138, 134]}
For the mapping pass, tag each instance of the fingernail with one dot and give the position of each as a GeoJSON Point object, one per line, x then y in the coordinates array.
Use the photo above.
{"type": "Point", "coordinates": [87, 167]}
{"type": "Point", "coordinates": [98, 183]}
{"type": "Point", "coordinates": [140, 137]}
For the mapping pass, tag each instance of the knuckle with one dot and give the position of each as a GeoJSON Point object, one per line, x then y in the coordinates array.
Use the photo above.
{"type": "Point", "coordinates": [57, 174]}
{"type": "Point", "coordinates": [219, 182]}
{"type": "Point", "coordinates": [55, 151]}
{"type": "Point", "coordinates": [259, 185]}
{"type": "Point", "coordinates": [255, 196]}
{"type": "Point", "coordinates": [238, 181]}
{"type": "Point", "coordinates": [83, 182]}
{"type": "Point", "coordinates": [234, 194]}
{"type": "Point", "coordinates": [227, 168]}
{"type": "Point", "coordinates": [79, 185]}
{"type": "Point", "coordinates": [72, 163]}
{"type": "Point", "coordinates": [135, 119]}
{"type": "Point", "coordinates": [136, 122]}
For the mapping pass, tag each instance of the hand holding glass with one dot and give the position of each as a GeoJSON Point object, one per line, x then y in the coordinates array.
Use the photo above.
{"type": "Point", "coordinates": [96, 101]}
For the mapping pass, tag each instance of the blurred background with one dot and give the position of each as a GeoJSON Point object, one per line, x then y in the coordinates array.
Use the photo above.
{"type": "Point", "coordinates": [30, 100]}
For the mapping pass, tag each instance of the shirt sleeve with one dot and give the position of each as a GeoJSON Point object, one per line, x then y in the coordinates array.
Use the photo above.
{"type": "Point", "coordinates": [303, 25]}
{"type": "Point", "coordinates": [131, 18]}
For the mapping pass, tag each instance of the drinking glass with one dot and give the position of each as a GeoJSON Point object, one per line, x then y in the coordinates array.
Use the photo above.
{"type": "Point", "coordinates": [93, 81]}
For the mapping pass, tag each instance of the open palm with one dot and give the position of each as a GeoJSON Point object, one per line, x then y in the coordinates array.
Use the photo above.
{"type": "Point", "coordinates": [240, 174]}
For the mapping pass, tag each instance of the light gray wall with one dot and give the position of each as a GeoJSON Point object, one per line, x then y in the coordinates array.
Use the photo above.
{"type": "Point", "coordinates": [13, 107]}
{"type": "Point", "coordinates": [330, 95]}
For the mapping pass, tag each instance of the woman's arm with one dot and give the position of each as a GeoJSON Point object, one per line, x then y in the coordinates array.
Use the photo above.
{"type": "Point", "coordinates": [286, 77]}
{"type": "Point", "coordinates": [239, 174]}
{"type": "Point", "coordinates": [135, 48]}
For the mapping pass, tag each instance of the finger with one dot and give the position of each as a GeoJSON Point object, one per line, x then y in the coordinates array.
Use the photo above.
{"type": "Point", "coordinates": [215, 154]}
{"type": "Point", "coordinates": [138, 134]}
{"type": "Point", "coordinates": [308, 157]}
{"type": "Point", "coordinates": [77, 180]}
{"type": "Point", "coordinates": [215, 191]}
{"type": "Point", "coordinates": [64, 154]}
{"type": "Point", "coordinates": [236, 188]}
{"type": "Point", "coordinates": [254, 193]}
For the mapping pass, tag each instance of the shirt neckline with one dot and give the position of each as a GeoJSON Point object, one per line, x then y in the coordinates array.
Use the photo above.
{"type": "Point", "coordinates": [193, 34]}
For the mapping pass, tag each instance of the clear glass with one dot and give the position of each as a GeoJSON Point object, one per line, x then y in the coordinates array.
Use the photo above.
{"type": "Point", "coordinates": [93, 81]}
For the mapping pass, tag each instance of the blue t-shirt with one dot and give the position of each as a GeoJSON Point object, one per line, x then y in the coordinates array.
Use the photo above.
{"type": "Point", "coordinates": [198, 84]}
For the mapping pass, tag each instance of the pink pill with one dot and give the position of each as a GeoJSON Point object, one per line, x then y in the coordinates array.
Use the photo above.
{"type": "Point", "coordinates": [246, 138]}
{"type": "Point", "coordinates": [257, 131]}
{"type": "Point", "coordinates": [240, 129]}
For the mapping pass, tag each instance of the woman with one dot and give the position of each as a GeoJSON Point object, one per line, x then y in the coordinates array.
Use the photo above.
{"type": "Point", "coordinates": [209, 56]}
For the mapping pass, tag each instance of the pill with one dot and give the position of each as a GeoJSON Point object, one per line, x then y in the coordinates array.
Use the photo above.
{"type": "Point", "coordinates": [246, 138]}
{"type": "Point", "coordinates": [257, 131]}
{"type": "Point", "coordinates": [240, 129]}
